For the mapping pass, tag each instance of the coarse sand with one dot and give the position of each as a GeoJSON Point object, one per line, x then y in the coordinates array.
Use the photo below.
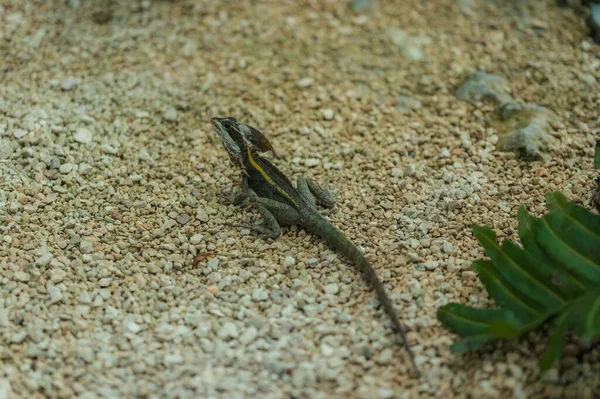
{"type": "Point", "coordinates": [119, 274]}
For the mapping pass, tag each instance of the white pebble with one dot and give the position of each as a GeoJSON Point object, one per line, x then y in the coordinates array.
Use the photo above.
{"type": "Point", "coordinates": [196, 239]}
{"type": "Point", "coordinates": [83, 135]}
{"type": "Point", "coordinates": [170, 115]}
{"type": "Point", "coordinates": [447, 247]}
{"type": "Point", "coordinates": [312, 162]}
{"type": "Point", "coordinates": [43, 260]}
{"type": "Point", "coordinates": [68, 83]}
{"type": "Point", "coordinates": [84, 168]}
{"type": "Point", "coordinates": [18, 133]}
{"type": "Point", "coordinates": [432, 264]}
{"type": "Point", "coordinates": [397, 172]}
{"type": "Point", "coordinates": [55, 294]}
{"type": "Point", "coordinates": [259, 295]}
{"type": "Point", "coordinates": [305, 82]}
{"type": "Point", "coordinates": [327, 114]}
{"type": "Point", "coordinates": [105, 282]}
{"type": "Point", "coordinates": [57, 275]}
{"type": "Point", "coordinates": [84, 298]}
{"type": "Point", "coordinates": [227, 331]}
{"type": "Point", "coordinates": [66, 168]}
{"type": "Point", "coordinates": [332, 289]}
{"type": "Point", "coordinates": [22, 276]}
{"type": "Point", "coordinates": [249, 335]}
{"type": "Point", "coordinates": [289, 261]}
{"type": "Point", "coordinates": [132, 327]}
{"type": "Point", "coordinates": [86, 247]}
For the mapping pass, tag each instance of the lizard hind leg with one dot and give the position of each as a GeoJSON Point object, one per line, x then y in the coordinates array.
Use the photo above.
{"type": "Point", "coordinates": [273, 214]}
{"type": "Point", "coordinates": [321, 195]}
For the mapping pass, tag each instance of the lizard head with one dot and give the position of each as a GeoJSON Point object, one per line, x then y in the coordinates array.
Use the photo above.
{"type": "Point", "coordinates": [233, 141]}
{"type": "Point", "coordinates": [237, 137]}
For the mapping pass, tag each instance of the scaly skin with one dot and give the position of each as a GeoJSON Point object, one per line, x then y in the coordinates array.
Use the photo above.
{"type": "Point", "coordinates": [279, 202]}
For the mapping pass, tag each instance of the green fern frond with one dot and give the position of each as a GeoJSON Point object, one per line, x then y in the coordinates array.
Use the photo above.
{"type": "Point", "coordinates": [554, 276]}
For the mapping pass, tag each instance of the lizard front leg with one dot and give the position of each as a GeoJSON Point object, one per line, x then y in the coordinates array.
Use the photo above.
{"type": "Point", "coordinates": [238, 197]}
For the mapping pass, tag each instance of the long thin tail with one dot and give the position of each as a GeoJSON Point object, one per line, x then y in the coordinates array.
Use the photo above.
{"type": "Point", "coordinates": [334, 237]}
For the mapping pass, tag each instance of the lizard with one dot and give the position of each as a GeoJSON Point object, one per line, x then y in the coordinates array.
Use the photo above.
{"type": "Point", "coordinates": [279, 202]}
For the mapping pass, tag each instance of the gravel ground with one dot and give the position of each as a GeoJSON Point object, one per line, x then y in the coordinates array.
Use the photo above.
{"type": "Point", "coordinates": [118, 274]}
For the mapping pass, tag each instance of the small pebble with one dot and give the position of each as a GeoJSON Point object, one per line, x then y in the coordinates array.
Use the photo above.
{"type": "Point", "coordinates": [84, 168]}
{"type": "Point", "coordinates": [249, 335]}
{"type": "Point", "coordinates": [259, 295]}
{"type": "Point", "coordinates": [289, 261]}
{"type": "Point", "coordinates": [397, 172]}
{"type": "Point", "coordinates": [170, 115]}
{"type": "Point", "coordinates": [227, 331]}
{"type": "Point", "coordinates": [86, 247]}
{"type": "Point", "coordinates": [196, 239]}
{"type": "Point", "coordinates": [19, 133]}
{"type": "Point", "coordinates": [66, 168]}
{"type": "Point", "coordinates": [332, 289]}
{"type": "Point", "coordinates": [55, 294]}
{"type": "Point", "coordinates": [22, 276]}
{"type": "Point", "coordinates": [327, 114]}
{"type": "Point", "coordinates": [305, 82]}
{"type": "Point", "coordinates": [183, 218]}
{"type": "Point", "coordinates": [312, 162]}
{"type": "Point", "coordinates": [105, 282]}
{"type": "Point", "coordinates": [57, 276]}
{"type": "Point", "coordinates": [43, 260]}
{"type": "Point", "coordinates": [83, 135]}
{"type": "Point", "coordinates": [68, 83]}
{"type": "Point", "coordinates": [84, 298]}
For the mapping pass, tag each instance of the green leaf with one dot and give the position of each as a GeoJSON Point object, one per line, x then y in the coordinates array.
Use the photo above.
{"type": "Point", "coordinates": [555, 276]}
{"type": "Point", "coordinates": [597, 155]}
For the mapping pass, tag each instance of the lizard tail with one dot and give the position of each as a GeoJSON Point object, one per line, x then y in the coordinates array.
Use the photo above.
{"type": "Point", "coordinates": [341, 243]}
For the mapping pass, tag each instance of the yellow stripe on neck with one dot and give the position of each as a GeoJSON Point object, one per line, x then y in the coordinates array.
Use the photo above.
{"type": "Point", "coordinates": [260, 170]}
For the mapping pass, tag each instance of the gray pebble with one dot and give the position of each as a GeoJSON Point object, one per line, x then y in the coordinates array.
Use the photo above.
{"type": "Point", "coordinates": [361, 5]}
{"type": "Point", "coordinates": [55, 163]}
{"type": "Point", "coordinates": [481, 86]}
{"type": "Point", "coordinates": [183, 218]}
